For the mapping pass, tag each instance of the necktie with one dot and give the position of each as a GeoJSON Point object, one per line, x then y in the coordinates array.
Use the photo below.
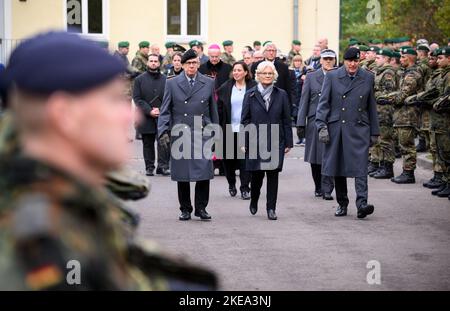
{"type": "Point", "coordinates": [191, 82]}
{"type": "Point", "coordinates": [352, 77]}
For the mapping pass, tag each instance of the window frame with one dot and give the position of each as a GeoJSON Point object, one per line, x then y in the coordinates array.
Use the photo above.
{"type": "Point", "coordinates": [85, 18]}
{"type": "Point", "coordinates": [184, 37]}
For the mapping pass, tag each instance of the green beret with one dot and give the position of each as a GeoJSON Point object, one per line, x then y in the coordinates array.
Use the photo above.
{"type": "Point", "coordinates": [404, 39]}
{"type": "Point", "coordinates": [266, 43]}
{"type": "Point", "coordinates": [388, 41]}
{"type": "Point", "coordinates": [423, 47]}
{"type": "Point", "coordinates": [227, 43]}
{"type": "Point", "coordinates": [144, 44]}
{"type": "Point", "coordinates": [194, 43]}
{"type": "Point", "coordinates": [124, 44]}
{"type": "Point", "coordinates": [385, 52]}
{"type": "Point", "coordinates": [408, 51]}
{"type": "Point", "coordinates": [376, 41]}
{"type": "Point", "coordinates": [396, 55]}
{"type": "Point", "coordinates": [405, 47]}
{"type": "Point", "coordinates": [363, 48]}
{"type": "Point", "coordinates": [296, 42]}
{"type": "Point", "coordinates": [444, 51]}
{"type": "Point", "coordinates": [435, 53]}
{"type": "Point", "coordinates": [374, 48]}
{"type": "Point", "coordinates": [257, 43]}
{"type": "Point", "coordinates": [169, 45]}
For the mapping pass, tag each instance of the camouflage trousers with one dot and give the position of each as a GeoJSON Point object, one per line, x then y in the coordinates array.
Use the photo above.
{"type": "Point", "coordinates": [406, 136]}
{"type": "Point", "coordinates": [437, 162]}
{"type": "Point", "coordinates": [443, 152]}
{"type": "Point", "coordinates": [424, 126]}
{"type": "Point", "coordinates": [384, 149]}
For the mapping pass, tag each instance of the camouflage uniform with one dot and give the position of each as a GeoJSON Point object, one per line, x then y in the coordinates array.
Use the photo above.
{"type": "Point", "coordinates": [424, 114]}
{"type": "Point", "coordinates": [370, 65]}
{"type": "Point", "coordinates": [140, 62]}
{"type": "Point", "coordinates": [291, 56]}
{"type": "Point", "coordinates": [48, 218]}
{"type": "Point", "coordinates": [227, 58]}
{"type": "Point", "coordinates": [385, 83]}
{"type": "Point", "coordinates": [406, 117]}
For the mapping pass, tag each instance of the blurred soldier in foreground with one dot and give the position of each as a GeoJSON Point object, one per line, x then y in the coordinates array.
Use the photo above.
{"type": "Point", "coordinates": [54, 209]}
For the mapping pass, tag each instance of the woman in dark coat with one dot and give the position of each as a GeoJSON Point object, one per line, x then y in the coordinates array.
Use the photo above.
{"type": "Point", "coordinates": [266, 110]}
{"type": "Point", "coordinates": [311, 93]}
{"type": "Point", "coordinates": [230, 100]}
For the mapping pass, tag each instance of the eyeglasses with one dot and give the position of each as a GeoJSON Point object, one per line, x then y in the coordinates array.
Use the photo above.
{"type": "Point", "coordinates": [191, 63]}
{"type": "Point", "coordinates": [268, 74]}
{"type": "Point", "coordinates": [270, 50]}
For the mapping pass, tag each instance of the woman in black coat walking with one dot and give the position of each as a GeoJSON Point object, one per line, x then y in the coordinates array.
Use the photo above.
{"type": "Point", "coordinates": [229, 103]}
{"type": "Point", "coordinates": [266, 110]}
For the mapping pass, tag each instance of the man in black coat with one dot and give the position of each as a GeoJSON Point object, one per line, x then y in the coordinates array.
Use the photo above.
{"type": "Point", "coordinates": [285, 80]}
{"type": "Point", "coordinates": [347, 122]}
{"type": "Point", "coordinates": [148, 94]}
{"type": "Point", "coordinates": [215, 67]}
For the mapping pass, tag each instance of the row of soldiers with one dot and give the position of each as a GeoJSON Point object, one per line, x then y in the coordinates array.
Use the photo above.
{"type": "Point", "coordinates": [412, 87]}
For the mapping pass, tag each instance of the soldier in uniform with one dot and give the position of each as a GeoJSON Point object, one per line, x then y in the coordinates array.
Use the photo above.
{"type": "Point", "coordinates": [424, 118]}
{"type": "Point", "coordinates": [347, 122]}
{"type": "Point", "coordinates": [140, 60]}
{"type": "Point", "coordinates": [406, 115]}
{"type": "Point", "coordinates": [440, 121]}
{"type": "Point", "coordinates": [295, 50]}
{"type": "Point", "coordinates": [187, 97]}
{"type": "Point", "coordinates": [371, 55]}
{"type": "Point", "coordinates": [227, 56]}
{"type": "Point", "coordinates": [54, 210]}
{"type": "Point", "coordinates": [382, 153]}
{"type": "Point", "coordinates": [167, 60]}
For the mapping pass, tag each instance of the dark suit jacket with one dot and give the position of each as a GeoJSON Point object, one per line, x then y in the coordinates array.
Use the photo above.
{"type": "Point", "coordinates": [348, 109]}
{"type": "Point", "coordinates": [220, 72]}
{"type": "Point", "coordinates": [148, 92]}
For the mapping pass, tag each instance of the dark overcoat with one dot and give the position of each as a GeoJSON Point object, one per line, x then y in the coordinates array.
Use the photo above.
{"type": "Point", "coordinates": [348, 108]}
{"type": "Point", "coordinates": [181, 104]}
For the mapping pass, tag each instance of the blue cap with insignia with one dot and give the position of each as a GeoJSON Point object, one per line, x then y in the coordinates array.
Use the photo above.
{"type": "Point", "coordinates": [59, 61]}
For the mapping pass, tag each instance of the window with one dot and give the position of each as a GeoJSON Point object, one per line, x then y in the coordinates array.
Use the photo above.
{"type": "Point", "coordinates": [186, 20]}
{"type": "Point", "coordinates": [87, 17]}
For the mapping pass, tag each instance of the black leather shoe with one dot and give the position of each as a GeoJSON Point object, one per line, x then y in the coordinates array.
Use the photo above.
{"type": "Point", "coordinates": [436, 191]}
{"type": "Point", "coordinates": [232, 190]}
{"type": "Point", "coordinates": [318, 193]}
{"type": "Point", "coordinates": [245, 195]}
{"type": "Point", "coordinates": [327, 197]}
{"type": "Point", "coordinates": [366, 210]}
{"type": "Point", "coordinates": [341, 211]}
{"type": "Point", "coordinates": [163, 172]}
{"type": "Point", "coordinates": [185, 216]}
{"type": "Point", "coordinates": [271, 214]}
{"type": "Point", "coordinates": [253, 208]}
{"type": "Point", "coordinates": [202, 214]}
{"type": "Point", "coordinates": [149, 173]}
{"type": "Point", "coordinates": [444, 193]}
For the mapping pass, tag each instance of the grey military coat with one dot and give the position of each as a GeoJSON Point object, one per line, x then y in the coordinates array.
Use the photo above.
{"type": "Point", "coordinates": [181, 104]}
{"type": "Point", "coordinates": [348, 108]}
{"type": "Point", "coordinates": [306, 117]}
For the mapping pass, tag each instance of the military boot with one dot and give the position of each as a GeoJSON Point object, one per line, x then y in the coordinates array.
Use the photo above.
{"type": "Point", "coordinates": [380, 167]}
{"type": "Point", "coordinates": [372, 167]}
{"type": "Point", "coordinates": [436, 191]}
{"type": "Point", "coordinates": [407, 177]}
{"type": "Point", "coordinates": [386, 172]}
{"type": "Point", "coordinates": [421, 146]}
{"type": "Point", "coordinates": [434, 182]}
{"type": "Point", "coordinates": [444, 193]}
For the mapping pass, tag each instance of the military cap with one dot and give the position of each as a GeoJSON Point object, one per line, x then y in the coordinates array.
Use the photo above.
{"type": "Point", "coordinates": [352, 42]}
{"type": "Point", "coordinates": [363, 48]}
{"type": "Point", "coordinates": [169, 45]}
{"type": "Point", "coordinates": [194, 43]}
{"type": "Point", "coordinates": [179, 48]}
{"type": "Point", "coordinates": [352, 54]}
{"type": "Point", "coordinates": [435, 52]}
{"type": "Point", "coordinates": [404, 39]}
{"type": "Point", "coordinates": [388, 41]}
{"type": "Point", "coordinates": [267, 42]}
{"type": "Point", "coordinates": [190, 54]}
{"type": "Point", "coordinates": [227, 43]}
{"type": "Point", "coordinates": [422, 41]}
{"type": "Point", "coordinates": [296, 42]}
{"type": "Point", "coordinates": [124, 44]}
{"type": "Point", "coordinates": [405, 47]}
{"type": "Point", "coordinates": [376, 41]}
{"type": "Point", "coordinates": [256, 43]}
{"type": "Point", "coordinates": [396, 55]}
{"type": "Point", "coordinates": [89, 65]}
{"type": "Point", "coordinates": [408, 51]}
{"type": "Point", "coordinates": [327, 53]}
{"type": "Point", "coordinates": [423, 47]}
{"type": "Point", "coordinates": [385, 52]}
{"type": "Point", "coordinates": [444, 51]}
{"type": "Point", "coordinates": [374, 49]}
{"type": "Point", "coordinates": [144, 44]}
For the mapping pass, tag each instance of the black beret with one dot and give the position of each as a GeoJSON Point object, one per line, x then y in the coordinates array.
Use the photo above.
{"type": "Point", "coordinates": [190, 54]}
{"type": "Point", "coordinates": [352, 54]}
{"type": "Point", "coordinates": [59, 61]}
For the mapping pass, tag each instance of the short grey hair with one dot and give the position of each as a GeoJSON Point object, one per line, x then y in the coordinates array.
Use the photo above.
{"type": "Point", "coordinates": [263, 65]}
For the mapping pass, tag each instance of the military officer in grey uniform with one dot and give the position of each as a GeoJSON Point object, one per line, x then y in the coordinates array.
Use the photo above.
{"type": "Point", "coordinates": [347, 122]}
{"type": "Point", "coordinates": [187, 96]}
